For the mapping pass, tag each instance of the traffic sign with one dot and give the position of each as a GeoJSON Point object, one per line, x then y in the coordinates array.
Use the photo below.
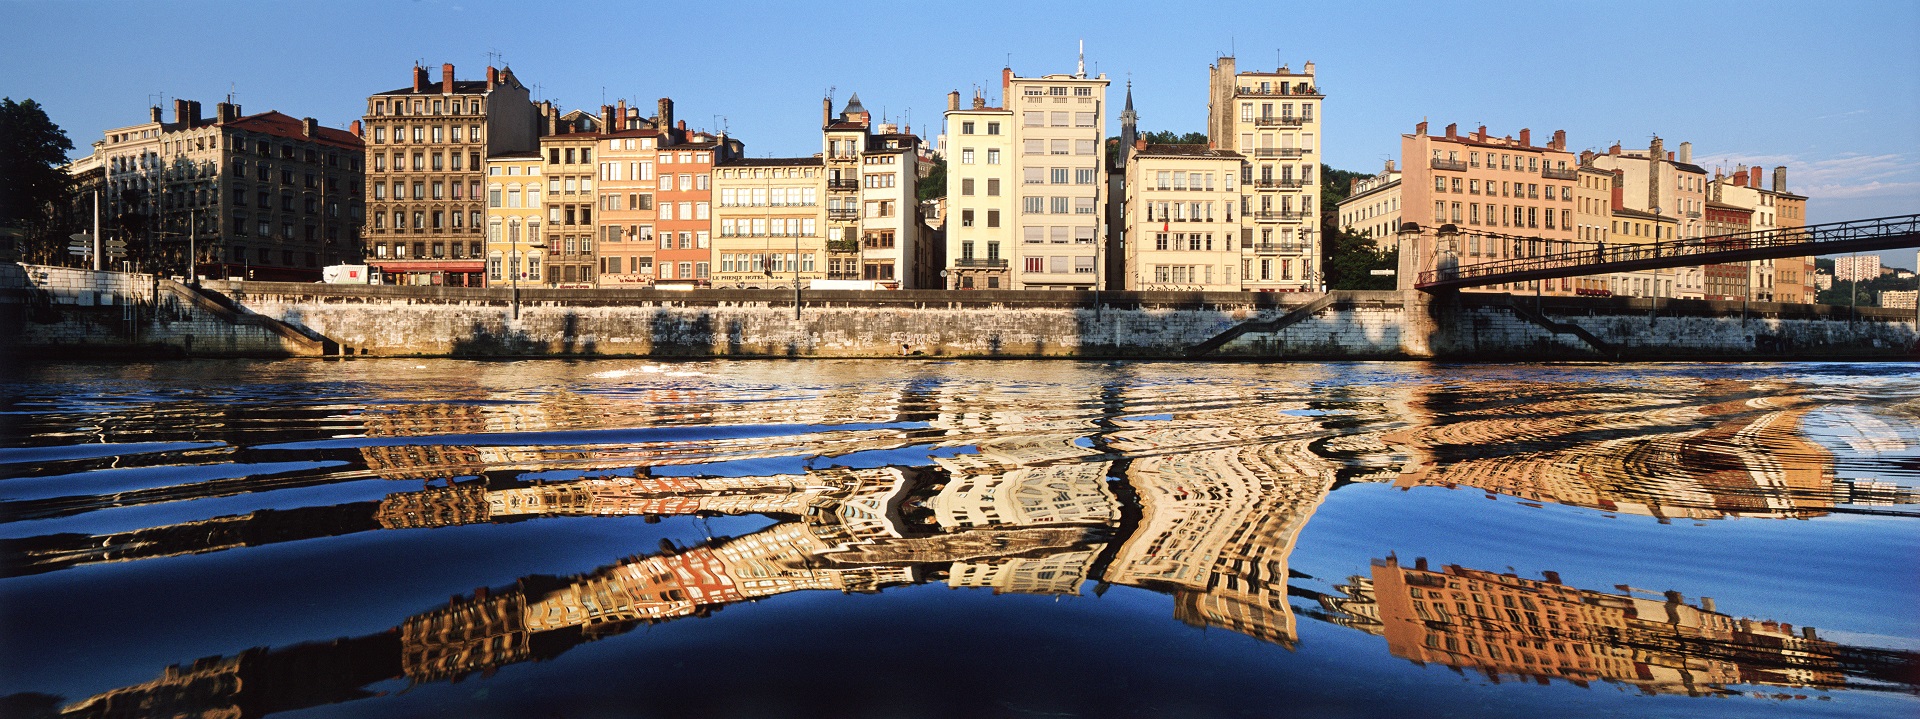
{"type": "Point", "coordinates": [80, 237]}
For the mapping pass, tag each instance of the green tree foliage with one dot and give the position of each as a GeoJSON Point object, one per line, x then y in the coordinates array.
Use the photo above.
{"type": "Point", "coordinates": [1348, 259]}
{"type": "Point", "coordinates": [35, 192]}
{"type": "Point", "coordinates": [935, 183]}
{"type": "Point", "coordinates": [1156, 137]}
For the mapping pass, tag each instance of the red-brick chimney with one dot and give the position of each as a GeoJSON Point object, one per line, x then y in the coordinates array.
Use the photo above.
{"type": "Point", "coordinates": [1453, 130]}
{"type": "Point", "coordinates": [1140, 144]}
{"type": "Point", "coordinates": [180, 111]}
{"type": "Point", "coordinates": [621, 116]}
{"type": "Point", "coordinates": [153, 114]}
{"type": "Point", "coordinates": [446, 78]}
{"type": "Point", "coordinates": [1420, 129]}
{"type": "Point", "coordinates": [419, 78]}
{"type": "Point", "coordinates": [1615, 150]}
{"type": "Point", "coordinates": [1559, 140]}
{"type": "Point", "coordinates": [826, 111]}
{"type": "Point", "coordinates": [1739, 179]}
{"type": "Point", "coordinates": [355, 128]}
{"type": "Point", "coordinates": [1754, 180]}
{"type": "Point", "coordinates": [493, 77]}
{"type": "Point", "coordinates": [226, 112]}
{"type": "Point", "coordinates": [1669, 156]}
{"type": "Point", "coordinates": [1526, 136]}
{"type": "Point", "coordinates": [1481, 135]}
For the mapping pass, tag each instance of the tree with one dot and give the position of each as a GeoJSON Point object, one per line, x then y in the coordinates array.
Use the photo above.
{"type": "Point", "coordinates": [1348, 259]}
{"type": "Point", "coordinates": [1155, 137]}
{"type": "Point", "coordinates": [935, 183]}
{"type": "Point", "coordinates": [35, 191]}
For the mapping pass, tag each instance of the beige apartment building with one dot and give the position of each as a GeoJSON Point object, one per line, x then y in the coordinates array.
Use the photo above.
{"type": "Point", "coordinates": [265, 196]}
{"type": "Point", "coordinates": [1638, 227]}
{"type": "Point", "coordinates": [516, 241]}
{"type": "Point", "coordinates": [1180, 214]}
{"type": "Point", "coordinates": [1663, 183]}
{"type": "Point", "coordinates": [426, 152]}
{"type": "Point", "coordinates": [767, 222]}
{"type": "Point", "coordinates": [570, 202]}
{"type": "Point", "coordinates": [1372, 207]}
{"type": "Point", "coordinates": [1592, 225]}
{"type": "Point", "coordinates": [874, 233]}
{"type": "Point", "coordinates": [981, 208]}
{"type": "Point", "coordinates": [1272, 120]}
{"type": "Point", "coordinates": [1061, 166]}
{"type": "Point", "coordinates": [1779, 280]}
{"type": "Point", "coordinates": [1508, 198]}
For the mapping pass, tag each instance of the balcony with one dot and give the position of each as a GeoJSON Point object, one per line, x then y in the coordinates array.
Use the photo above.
{"type": "Point", "coordinates": [843, 184]}
{"type": "Point", "coordinates": [844, 246]}
{"type": "Point", "coordinates": [1280, 152]}
{"type": "Point", "coordinates": [1295, 92]}
{"type": "Point", "coordinates": [844, 214]}
{"type": "Point", "coordinates": [1279, 215]}
{"type": "Point", "coordinates": [1280, 184]}
{"type": "Point", "coordinates": [988, 262]}
{"type": "Point", "coordinates": [1553, 173]}
{"type": "Point", "coordinates": [831, 275]}
{"type": "Point", "coordinates": [1277, 247]}
{"type": "Point", "coordinates": [1454, 165]}
{"type": "Point", "coordinates": [1282, 121]}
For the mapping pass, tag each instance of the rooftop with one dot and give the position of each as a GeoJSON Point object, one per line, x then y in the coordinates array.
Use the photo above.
{"type": "Point", "coordinates": [773, 162]}
{"type": "Point", "coordinates": [1186, 151]}
{"type": "Point", "coordinates": [280, 124]}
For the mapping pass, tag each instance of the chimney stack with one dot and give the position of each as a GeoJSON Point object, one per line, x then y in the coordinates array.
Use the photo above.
{"type": "Point", "coordinates": [1420, 563]}
{"type": "Point", "coordinates": [1420, 129]}
{"type": "Point", "coordinates": [1754, 180]}
{"type": "Point", "coordinates": [1526, 136]}
{"type": "Point", "coordinates": [1739, 177]}
{"type": "Point", "coordinates": [309, 127]}
{"type": "Point", "coordinates": [1481, 135]}
{"type": "Point", "coordinates": [1559, 140]}
{"type": "Point", "coordinates": [1615, 150]}
{"type": "Point", "coordinates": [665, 120]}
{"type": "Point", "coordinates": [226, 112]}
{"type": "Point", "coordinates": [1308, 69]}
{"type": "Point", "coordinates": [1669, 156]}
{"type": "Point", "coordinates": [606, 118]}
{"type": "Point", "coordinates": [953, 100]}
{"type": "Point", "coordinates": [1780, 178]}
{"type": "Point", "coordinates": [1586, 156]}
{"type": "Point", "coordinates": [620, 115]}
{"type": "Point", "coordinates": [493, 77]}
{"type": "Point", "coordinates": [180, 110]}
{"type": "Point", "coordinates": [1453, 130]}
{"type": "Point", "coordinates": [682, 127]}
{"type": "Point", "coordinates": [1686, 152]}
{"type": "Point", "coordinates": [355, 127]}
{"type": "Point", "coordinates": [193, 112]}
{"type": "Point", "coordinates": [1140, 144]}
{"type": "Point", "coordinates": [1389, 165]}
{"type": "Point", "coordinates": [1656, 150]}
{"type": "Point", "coordinates": [419, 78]}
{"type": "Point", "coordinates": [446, 78]}
{"type": "Point", "coordinates": [153, 114]}
{"type": "Point", "coordinates": [553, 118]}
{"type": "Point", "coordinates": [826, 111]}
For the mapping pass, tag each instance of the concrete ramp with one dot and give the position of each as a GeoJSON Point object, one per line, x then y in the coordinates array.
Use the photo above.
{"type": "Point", "coordinates": [1263, 326]}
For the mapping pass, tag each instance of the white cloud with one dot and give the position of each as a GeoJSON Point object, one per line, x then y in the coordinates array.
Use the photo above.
{"type": "Point", "coordinates": [1842, 176]}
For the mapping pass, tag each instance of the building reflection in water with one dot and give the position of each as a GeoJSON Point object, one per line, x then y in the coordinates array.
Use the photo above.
{"type": "Point", "coordinates": [1204, 503]}
{"type": "Point", "coordinates": [1504, 625]}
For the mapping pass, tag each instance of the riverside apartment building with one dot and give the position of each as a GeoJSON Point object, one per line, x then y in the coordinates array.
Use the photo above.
{"type": "Point", "coordinates": [1272, 121]}
{"type": "Point", "coordinates": [265, 196]}
{"type": "Point", "coordinates": [1508, 197]}
{"type": "Point", "coordinates": [426, 158]}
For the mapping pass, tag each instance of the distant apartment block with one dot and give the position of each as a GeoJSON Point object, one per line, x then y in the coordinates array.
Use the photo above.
{"type": "Point", "coordinates": [1372, 207]}
{"type": "Point", "coordinates": [1061, 169]}
{"type": "Point", "coordinates": [981, 233]}
{"type": "Point", "coordinates": [1181, 214]}
{"type": "Point", "coordinates": [265, 196]}
{"type": "Point", "coordinates": [1507, 197]}
{"type": "Point", "coordinates": [1856, 268]}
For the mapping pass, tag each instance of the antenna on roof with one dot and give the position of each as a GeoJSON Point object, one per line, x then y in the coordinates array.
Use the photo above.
{"type": "Point", "coordinates": [1009, 60]}
{"type": "Point", "coordinates": [1081, 69]}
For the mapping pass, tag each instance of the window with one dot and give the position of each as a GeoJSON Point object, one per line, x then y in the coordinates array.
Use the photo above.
{"type": "Point", "coordinates": [1058, 205]}
{"type": "Point", "coordinates": [1033, 205]}
{"type": "Point", "coordinates": [966, 187]}
{"type": "Point", "coordinates": [1085, 175]}
{"type": "Point", "coordinates": [966, 155]}
{"type": "Point", "coordinates": [993, 156]}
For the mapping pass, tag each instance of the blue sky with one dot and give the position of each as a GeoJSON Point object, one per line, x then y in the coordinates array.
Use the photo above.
{"type": "Point", "coordinates": [1830, 89]}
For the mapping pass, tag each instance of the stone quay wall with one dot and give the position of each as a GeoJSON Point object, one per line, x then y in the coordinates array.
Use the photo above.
{"type": "Point", "coordinates": [226, 318]}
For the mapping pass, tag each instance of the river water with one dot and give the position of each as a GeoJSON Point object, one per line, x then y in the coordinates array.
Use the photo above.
{"type": "Point", "coordinates": [901, 538]}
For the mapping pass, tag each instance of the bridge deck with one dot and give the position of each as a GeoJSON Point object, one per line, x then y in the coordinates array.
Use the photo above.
{"type": "Point", "coordinates": [1871, 235]}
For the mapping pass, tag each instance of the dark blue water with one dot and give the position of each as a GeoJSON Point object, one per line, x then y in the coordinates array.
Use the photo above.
{"type": "Point", "coordinates": [905, 539]}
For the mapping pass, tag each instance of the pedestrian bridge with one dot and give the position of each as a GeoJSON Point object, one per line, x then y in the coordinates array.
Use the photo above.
{"type": "Point", "coordinates": [1872, 235]}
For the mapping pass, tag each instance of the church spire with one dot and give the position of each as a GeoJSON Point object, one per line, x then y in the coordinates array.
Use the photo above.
{"type": "Point", "coordinates": [1129, 128]}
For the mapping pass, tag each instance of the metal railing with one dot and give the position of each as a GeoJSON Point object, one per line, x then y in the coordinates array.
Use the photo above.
{"type": "Point", "coordinates": [1454, 165]}
{"type": "Point", "coordinates": [1278, 215]}
{"type": "Point", "coordinates": [1281, 121]}
{"type": "Point", "coordinates": [843, 214]}
{"type": "Point", "coordinates": [1278, 247]}
{"type": "Point", "coordinates": [1868, 235]}
{"type": "Point", "coordinates": [843, 184]}
{"type": "Point", "coordinates": [848, 246]}
{"type": "Point", "coordinates": [980, 262]}
{"type": "Point", "coordinates": [1554, 173]}
{"type": "Point", "coordinates": [1293, 92]}
{"type": "Point", "coordinates": [1267, 184]}
{"type": "Point", "coordinates": [1280, 152]}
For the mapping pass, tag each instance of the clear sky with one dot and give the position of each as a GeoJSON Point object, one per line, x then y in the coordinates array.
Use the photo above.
{"type": "Point", "coordinates": [1831, 89]}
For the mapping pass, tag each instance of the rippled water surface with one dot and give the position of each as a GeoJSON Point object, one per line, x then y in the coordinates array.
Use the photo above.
{"type": "Point", "coordinates": [901, 539]}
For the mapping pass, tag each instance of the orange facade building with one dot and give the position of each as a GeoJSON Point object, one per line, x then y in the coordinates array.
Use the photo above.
{"type": "Point", "coordinates": [1508, 197]}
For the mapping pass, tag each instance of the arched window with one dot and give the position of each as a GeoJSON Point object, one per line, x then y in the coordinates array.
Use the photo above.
{"type": "Point", "coordinates": [493, 231]}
